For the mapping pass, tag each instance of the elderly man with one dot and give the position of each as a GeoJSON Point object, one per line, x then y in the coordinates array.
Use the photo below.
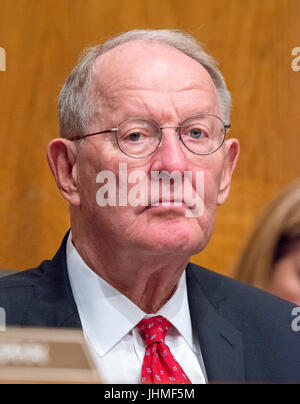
{"type": "Point", "coordinates": [145, 110]}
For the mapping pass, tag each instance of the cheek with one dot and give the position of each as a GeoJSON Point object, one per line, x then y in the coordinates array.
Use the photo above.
{"type": "Point", "coordinates": [211, 190]}
{"type": "Point", "coordinates": [100, 191]}
{"type": "Point", "coordinates": [206, 187]}
{"type": "Point", "coordinates": [93, 160]}
{"type": "Point", "coordinates": [210, 178]}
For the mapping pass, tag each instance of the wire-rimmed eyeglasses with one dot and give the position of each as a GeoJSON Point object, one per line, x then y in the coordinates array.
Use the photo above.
{"type": "Point", "coordinates": [138, 137]}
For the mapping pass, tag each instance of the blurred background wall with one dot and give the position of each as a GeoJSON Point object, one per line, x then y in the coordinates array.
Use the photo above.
{"type": "Point", "coordinates": [251, 39]}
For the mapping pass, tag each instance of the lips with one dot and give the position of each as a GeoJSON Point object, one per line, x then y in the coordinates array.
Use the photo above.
{"type": "Point", "coordinates": [167, 203]}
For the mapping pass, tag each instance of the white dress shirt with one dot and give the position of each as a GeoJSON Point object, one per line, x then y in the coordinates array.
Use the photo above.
{"type": "Point", "coordinates": [109, 322]}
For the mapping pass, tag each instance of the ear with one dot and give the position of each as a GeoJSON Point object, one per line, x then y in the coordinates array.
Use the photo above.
{"type": "Point", "coordinates": [62, 156]}
{"type": "Point", "coordinates": [232, 151]}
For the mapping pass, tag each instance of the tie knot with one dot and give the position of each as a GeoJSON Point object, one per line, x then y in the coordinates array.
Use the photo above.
{"type": "Point", "coordinates": [154, 329]}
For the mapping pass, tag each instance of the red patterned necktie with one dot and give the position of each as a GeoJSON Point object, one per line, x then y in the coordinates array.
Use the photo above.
{"type": "Point", "coordinates": [159, 366]}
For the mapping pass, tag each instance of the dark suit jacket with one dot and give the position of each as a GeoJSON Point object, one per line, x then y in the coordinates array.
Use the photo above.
{"type": "Point", "coordinates": [245, 334]}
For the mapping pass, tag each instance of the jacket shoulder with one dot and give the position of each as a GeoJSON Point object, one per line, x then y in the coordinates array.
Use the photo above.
{"type": "Point", "coordinates": [41, 296]}
{"type": "Point", "coordinates": [262, 318]}
{"type": "Point", "coordinates": [17, 292]}
{"type": "Point", "coordinates": [245, 300]}
{"type": "Point", "coordinates": [24, 278]}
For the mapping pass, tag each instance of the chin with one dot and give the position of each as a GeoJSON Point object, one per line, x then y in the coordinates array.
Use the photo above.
{"type": "Point", "coordinates": [177, 239]}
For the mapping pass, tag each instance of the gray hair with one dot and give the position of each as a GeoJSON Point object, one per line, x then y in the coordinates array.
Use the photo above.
{"type": "Point", "coordinates": [75, 107]}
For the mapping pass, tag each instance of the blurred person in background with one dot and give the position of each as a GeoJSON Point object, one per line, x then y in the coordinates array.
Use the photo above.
{"type": "Point", "coordinates": [270, 259]}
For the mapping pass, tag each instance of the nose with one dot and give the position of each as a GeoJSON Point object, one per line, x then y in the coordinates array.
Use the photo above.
{"type": "Point", "coordinates": [171, 155]}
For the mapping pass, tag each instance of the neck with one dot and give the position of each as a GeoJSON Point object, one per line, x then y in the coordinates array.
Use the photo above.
{"type": "Point", "coordinates": [148, 280]}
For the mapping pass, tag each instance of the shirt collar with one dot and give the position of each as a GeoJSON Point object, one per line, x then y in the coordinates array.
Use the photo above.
{"type": "Point", "coordinates": [107, 315]}
{"type": "Point", "coordinates": [177, 311]}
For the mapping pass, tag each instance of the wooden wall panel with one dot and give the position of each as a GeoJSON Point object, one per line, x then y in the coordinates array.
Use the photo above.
{"type": "Point", "coordinates": [252, 39]}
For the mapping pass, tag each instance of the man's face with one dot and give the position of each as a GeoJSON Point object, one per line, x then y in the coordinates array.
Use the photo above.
{"type": "Point", "coordinates": [159, 83]}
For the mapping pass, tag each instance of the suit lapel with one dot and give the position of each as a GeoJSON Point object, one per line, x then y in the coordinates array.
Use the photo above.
{"type": "Point", "coordinates": [220, 342]}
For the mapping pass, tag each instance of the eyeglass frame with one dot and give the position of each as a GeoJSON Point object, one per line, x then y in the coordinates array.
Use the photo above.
{"type": "Point", "coordinates": [178, 128]}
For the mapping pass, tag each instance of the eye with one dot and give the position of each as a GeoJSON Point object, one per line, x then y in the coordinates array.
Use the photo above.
{"type": "Point", "coordinates": [196, 133]}
{"type": "Point", "coordinates": [134, 137]}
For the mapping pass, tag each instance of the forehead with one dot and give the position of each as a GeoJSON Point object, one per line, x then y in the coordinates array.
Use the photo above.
{"type": "Point", "coordinates": [148, 72]}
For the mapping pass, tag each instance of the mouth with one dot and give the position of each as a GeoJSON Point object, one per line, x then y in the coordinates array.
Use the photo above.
{"type": "Point", "coordinates": [167, 204]}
